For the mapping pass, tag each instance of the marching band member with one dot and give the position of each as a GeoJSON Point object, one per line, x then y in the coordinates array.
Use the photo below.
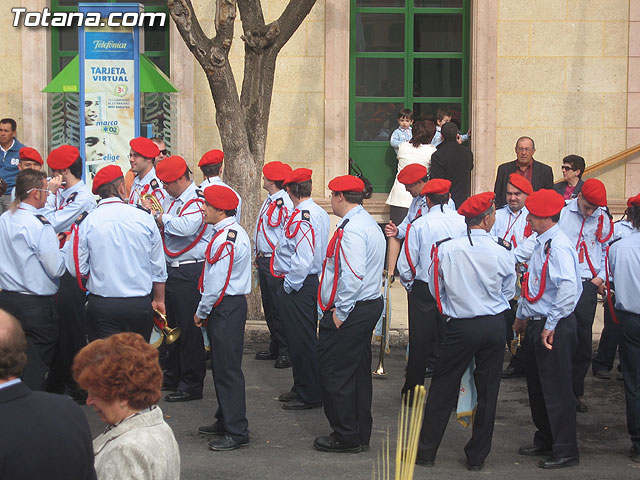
{"type": "Point", "coordinates": [272, 218]}
{"type": "Point", "coordinates": [512, 226]}
{"type": "Point", "coordinates": [550, 291]}
{"type": "Point", "coordinates": [224, 282]}
{"type": "Point", "coordinates": [122, 294]}
{"type": "Point", "coordinates": [211, 166]}
{"type": "Point", "coordinates": [297, 259]}
{"type": "Point", "coordinates": [472, 278]}
{"type": "Point", "coordinates": [426, 325]}
{"type": "Point", "coordinates": [185, 237]}
{"type": "Point", "coordinates": [589, 227]}
{"type": "Point", "coordinates": [350, 297]}
{"type": "Point", "coordinates": [624, 257]}
{"type": "Point", "coordinates": [29, 272]}
{"type": "Point", "coordinates": [141, 157]}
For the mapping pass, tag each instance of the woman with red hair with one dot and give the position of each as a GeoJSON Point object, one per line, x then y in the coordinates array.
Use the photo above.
{"type": "Point", "coordinates": [122, 377]}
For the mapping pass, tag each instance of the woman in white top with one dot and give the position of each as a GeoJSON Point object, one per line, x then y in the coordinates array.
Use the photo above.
{"type": "Point", "coordinates": [418, 150]}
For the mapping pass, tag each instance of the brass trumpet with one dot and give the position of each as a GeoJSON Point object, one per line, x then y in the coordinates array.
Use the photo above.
{"type": "Point", "coordinates": [168, 334]}
{"type": "Point", "coordinates": [156, 206]}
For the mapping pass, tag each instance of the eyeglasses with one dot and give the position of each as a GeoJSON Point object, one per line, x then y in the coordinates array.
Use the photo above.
{"type": "Point", "coordinates": [566, 167]}
{"type": "Point", "coordinates": [131, 155]}
{"type": "Point", "coordinates": [164, 152]}
{"type": "Point", "coordinates": [38, 190]}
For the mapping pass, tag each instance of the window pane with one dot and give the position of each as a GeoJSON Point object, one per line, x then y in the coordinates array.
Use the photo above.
{"type": "Point", "coordinates": [380, 77]}
{"type": "Point", "coordinates": [376, 121]}
{"type": "Point", "coordinates": [380, 3]}
{"type": "Point", "coordinates": [439, 3]}
{"type": "Point", "coordinates": [64, 61]}
{"type": "Point", "coordinates": [161, 63]}
{"type": "Point", "coordinates": [438, 33]}
{"type": "Point", "coordinates": [379, 32]}
{"type": "Point", "coordinates": [437, 77]}
{"type": "Point", "coordinates": [68, 38]}
{"type": "Point", "coordinates": [154, 39]}
{"type": "Point", "coordinates": [429, 111]}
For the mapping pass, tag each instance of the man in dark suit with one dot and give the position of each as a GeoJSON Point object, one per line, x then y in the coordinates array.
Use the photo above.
{"type": "Point", "coordinates": [453, 162]}
{"type": "Point", "coordinates": [539, 174]}
{"type": "Point", "coordinates": [43, 435]}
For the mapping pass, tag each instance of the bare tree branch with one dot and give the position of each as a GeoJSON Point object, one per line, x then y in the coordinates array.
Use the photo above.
{"type": "Point", "coordinates": [251, 14]}
{"type": "Point", "coordinates": [292, 16]}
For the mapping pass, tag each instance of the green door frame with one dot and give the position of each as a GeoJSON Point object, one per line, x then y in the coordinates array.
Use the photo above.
{"type": "Point", "coordinates": [376, 158]}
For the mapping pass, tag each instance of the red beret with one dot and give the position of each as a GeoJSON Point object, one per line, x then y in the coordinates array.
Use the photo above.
{"type": "Point", "coordinates": [299, 175]}
{"type": "Point", "coordinates": [221, 197]}
{"type": "Point", "coordinates": [412, 173]}
{"type": "Point", "coordinates": [594, 192]}
{"type": "Point", "coordinates": [62, 157]}
{"type": "Point", "coordinates": [438, 186]}
{"type": "Point", "coordinates": [544, 203]}
{"type": "Point", "coordinates": [28, 153]}
{"type": "Point", "coordinates": [476, 205]}
{"type": "Point", "coordinates": [171, 168]}
{"type": "Point", "coordinates": [106, 175]}
{"type": "Point", "coordinates": [521, 183]}
{"type": "Point", "coordinates": [346, 183]}
{"type": "Point", "coordinates": [145, 147]}
{"type": "Point", "coordinates": [212, 157]}
{"type": "Point", "coordinates": [276, 171]}
{"type": "Point", "coordinates": [634, 201]}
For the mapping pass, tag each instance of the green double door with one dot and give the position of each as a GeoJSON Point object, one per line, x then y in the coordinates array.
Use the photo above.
{"type": "Point", "coordinates": [403, 54]}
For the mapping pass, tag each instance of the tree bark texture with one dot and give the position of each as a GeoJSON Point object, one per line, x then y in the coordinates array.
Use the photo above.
{"type": "Point", "coordinates": [242, 119]}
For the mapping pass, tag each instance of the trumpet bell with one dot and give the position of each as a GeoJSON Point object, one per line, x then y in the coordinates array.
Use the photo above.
{"type": "Point", "coordinates": [171, 334]}
{"type": "Point", "coordinates": [156, 206]}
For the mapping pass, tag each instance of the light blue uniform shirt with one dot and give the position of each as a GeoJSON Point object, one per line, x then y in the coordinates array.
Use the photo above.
{"type": "Point", "coordinates": [215, 275]}
{"type": "Point", "coordinates": [418, 205]}
{"type": "Point", "coordinates": [119, 246]}
{"type": "Point", "coordinates": [31, 260]}
{"type": "Point", "coordinates": [563, 284]}
{"type": "Point", "coordinates": [432, 226]}
{"type": "Point", "coordinates": [218, 181]}
{"type": "Point", "coordinates": [302, 254]}
{"type": "Point", "coordinates": [267, 237]}
{"type": "Point", "coordinates": [510, 225]}
{"type": "Point", "coordinates": [571, 220]}
{"type": "Point", "coordinates": [361, 262]}
{"type": "Point", "coordinates": [474, 280]}
{"type": "Point", "coordinates": [147, 184]}
{"type": "Point", "coordinates": [66, 205]}
{"type": "Point", "coordinates": [182, 227]}
{"type": "Point", "coordinates": [399, 136]}
{"type": "Point", "coordinates": [622, 229]}
{"type": "Point", "coordinates": [624, 258]}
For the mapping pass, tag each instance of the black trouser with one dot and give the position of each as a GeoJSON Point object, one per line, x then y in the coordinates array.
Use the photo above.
{"type": "Point", "coordinates": [585, 312]}
{"type": "Point", "coordinates": [397, 214]}
{"type": "Point", "coordinates": [110, 315]}
{"type": "Point", "coordinates": [226, 331]}
{"type": "Point", "coordinates": [479, 337]}
{"type": "Point", "coordinates": [609, 339]}
{"type": "Point", "coordinates": [551, 398]}
{"type": "Point", "coordinates": [630, 361]}
{"type": "Point", "coordinates": [344, 357]}
{"type": "Point", "coordinates": [268, 288]}
{"type": "Point", "coordinates": [299, 313]}
{"type": "Point", "coordinates": [517, 361]}
{"type": "Point", "coordinates": [426, 331]}
{"type": "Point", "coordinates": [40, 324]}
{"type": "Point", "coordinates": [70, 304]}
{"type": "Point", "coordinates": [186, 357]}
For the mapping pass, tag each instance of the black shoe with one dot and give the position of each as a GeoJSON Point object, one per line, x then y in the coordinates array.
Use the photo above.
{"type": "Point", "coordinates": [298, 405]}
{"type": "Point", "coordinates": [581, 406]}
{"type": "Point", "coordinates": [266, 355]}
{"type": "Point", "coordinates": [283, 362]}
{"type": "Point", "coordinates": [474, 468]}
{"type": "Point", "coordinates": [634, 454]}
{"type": "Point", "coordinates": [181, 397]}
{"type": "Point", "coordinates": [602, 374]}
{"type": "Point", "coordinates": [333, 445]}
{"type": "Point", "coordinates": [428, 373]}
{"type": "Point", "coordinates": [226, 442]}
{"type": "Point", "coordinates": [559, 462]}
{"type": "Point", "coordinates": [216, 428]}
{"type": "Point", "coordinates": [534, 450]}
{"type": "Point", "coordinates": [288, 397]}
{"type": "Point", "coordinates": [167, 387]}
{"type": "Point", "coordinates": [511, 372]}
{"type": "Point", "coordinates": [424, 462]}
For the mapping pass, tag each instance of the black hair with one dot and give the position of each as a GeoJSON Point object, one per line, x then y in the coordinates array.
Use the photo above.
{"type": "Point", "coordinates": [438, 198]}
{"type": "Point", "coordinates": [211, 170]}
{"type": "Point", "coordinates": [533, 144]}
{"type": "Point", "coordinates": [13, 123]}
{"type": "Point", "coordinates": [633, 215]}
{"type": "Point", "coordinates": [76, 168]}
{"type": "Point", "coordinates": [300, 190]}
{"type": "Point", "coordinates": [405, 113]}
{"type": "Point", "coordinates": [475, 221]}
{"type": "Point", "coordinates": [110, 189]}
{"type": "Point", "coordinates": [279, 184]}
{"type": "Point", "coordinates": [231, 213]}
{"type": "Point", "coordinates": [576, 162]}
{"type": "Point", "coordinates": [449, 131]}
{"type": "Point", "coordinates": [556, 218]}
